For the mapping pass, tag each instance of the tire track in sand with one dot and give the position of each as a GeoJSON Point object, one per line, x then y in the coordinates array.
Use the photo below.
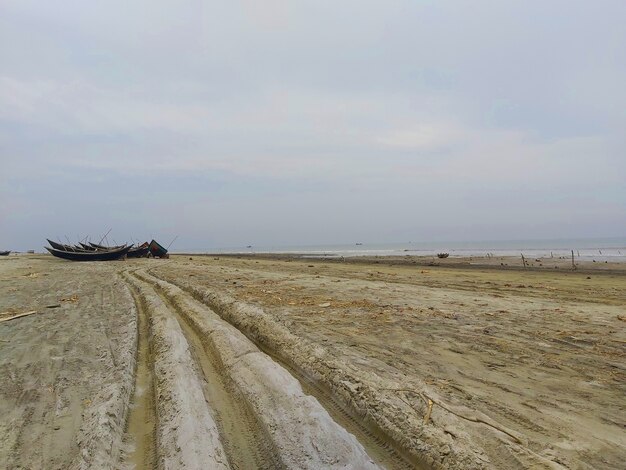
{"type": "Point", "coordinates": [187, 436]}
{"type": "Point", "coordinates": [379, 445]}
{"type": "Point", "coordinates": [246, 444]}
{"type": "Point", "coordinates": [140, 430]}
{"type": "Point", "coordinates": [280, 390]}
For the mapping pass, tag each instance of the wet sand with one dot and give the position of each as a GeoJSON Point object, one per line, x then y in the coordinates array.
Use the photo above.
{"type": "Point", "coordinates": [340, 362]}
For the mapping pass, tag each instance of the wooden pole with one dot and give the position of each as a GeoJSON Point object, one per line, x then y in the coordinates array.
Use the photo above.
{"type": "Point", "coordinates": [523, 260]}
{"type": "Point", "coordinates": [573, 265]}
{"type": "Point", "coordinates": [168, 246]}
{"type": "Point", "coordinates": [105, 235]}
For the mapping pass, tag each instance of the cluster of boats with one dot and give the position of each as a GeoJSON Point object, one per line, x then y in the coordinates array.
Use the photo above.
{"type": "Point", "coordinates": [97, 252]}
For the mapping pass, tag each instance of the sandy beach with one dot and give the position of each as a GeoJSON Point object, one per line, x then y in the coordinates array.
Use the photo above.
{"type": "Point", "coordinates": [276, 361]}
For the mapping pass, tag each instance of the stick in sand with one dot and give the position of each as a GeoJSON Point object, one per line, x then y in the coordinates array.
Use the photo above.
{"type": "Point", "coordinates": [19, 315]}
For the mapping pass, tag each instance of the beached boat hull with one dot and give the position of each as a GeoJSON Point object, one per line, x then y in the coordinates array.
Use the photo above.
{"type": "Point", "coordinates": [157, 250]}
{"type": "Point", "coordinates": [111, 255]}
{"type": "Point", "coordinates": [60, 246]}
{"type": "Point", "coordinates": [5, 253]}
{"type": "Point", "coordinates": [140, 252]}
{"type": "Point", "coordinates": [102, 247]}
{"type": "Point", "coordinates": [87, 247]}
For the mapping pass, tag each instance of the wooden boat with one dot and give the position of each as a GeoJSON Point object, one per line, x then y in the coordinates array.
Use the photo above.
{"type": "Point", "coordinates": [443, 255]}
{"type": "Point", "coordinates": [102, 247]}
{"type": "Point", "coordinates": [60, 246]}
{"type": "Point", "coordinates": [4, 253]}
{"type": "Point", "coordinates": [87, 247]}
{"type": "Point", "coordinates": [157, 250]}
{"type": "Point", "coordinates": [139, 252]}
{"type": "Point", "coordinates": [110, 255]}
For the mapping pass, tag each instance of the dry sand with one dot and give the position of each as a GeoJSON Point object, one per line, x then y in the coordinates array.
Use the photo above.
{"type": "Point", "coordinates": [279, 362]}
{"type": "Point", "coordinates": [67, 371]}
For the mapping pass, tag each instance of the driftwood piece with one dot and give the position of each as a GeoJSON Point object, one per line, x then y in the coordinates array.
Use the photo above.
{"type": "Point", "coordinates": [19, 315]}
{"type": "Point", "coordinates": [429, 411]}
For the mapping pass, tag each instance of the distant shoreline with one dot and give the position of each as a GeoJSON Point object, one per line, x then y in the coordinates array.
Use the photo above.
{"type": "Point", "coordinates": [474, 262]}
{"type": "Point", "coordinates": [600, 249]}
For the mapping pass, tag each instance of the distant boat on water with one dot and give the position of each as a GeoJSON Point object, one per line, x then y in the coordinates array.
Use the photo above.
{"type": "Point", "coordinates": [358, 244]}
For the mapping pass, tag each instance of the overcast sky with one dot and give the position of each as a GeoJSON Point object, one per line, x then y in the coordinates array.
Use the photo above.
{"type": "Point", "coordinates": [305, 122]}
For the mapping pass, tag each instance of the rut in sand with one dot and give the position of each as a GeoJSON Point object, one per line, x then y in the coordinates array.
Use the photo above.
{"type": "Point", "coordinates": [218, 397]}
{"type": "Point", "coordinates": [186, 433]}
{"type": "Point", "coordinates": [379, 445]}
{"type": "Point", "coordinates": [246, 444]}
{"type": "Point", "coordinates": [139, 437]}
